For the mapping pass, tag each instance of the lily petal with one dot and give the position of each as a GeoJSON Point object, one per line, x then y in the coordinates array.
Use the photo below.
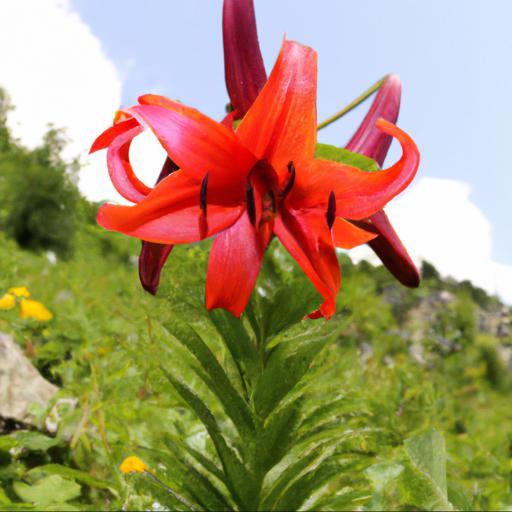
{"type": "Point", "coordinates": [348, 236]}
{"type": "Point", "coordinates": [195, 141]}
{"type": "Point", "coordinates": [243, 64]}
{"type": "Point", "coordinates": [391, 251]}
{"type": "Point", "coordinates": [153, 256]}
{"type": "Point", "coordinates": [281, 124]}
{"type": "Point", "coordinates": [171, 213]}
{"type": "Point", "coordinates": [118, 139]}
{"type": "Point", "coordinates": [307, 237]}
{"type": "Point", "coordinates": [368, 139]}
{"type": "Point", "coordinates": [152, 259]}
{"type": "Point", "coordinates": [234, 265]}
{"type": "Point", "coordinates": [359, 194]}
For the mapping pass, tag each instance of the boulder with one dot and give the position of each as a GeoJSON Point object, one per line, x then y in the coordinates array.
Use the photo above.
{"type": "Point", "coordinates": [20, 383]}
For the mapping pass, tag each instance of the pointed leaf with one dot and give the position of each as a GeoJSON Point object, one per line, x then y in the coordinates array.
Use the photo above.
{"type": "Point", "coordinates": [274, 441]}
{"type": "Point", "coordinates": [307, 484]}
{"type": "Point", "coordinates": [287, 364]}
{"type": "Point", "coordinates": [234, 405]}
{"type": "Point", "coordinates": [241, 484]}
{"type": "Point", "coordinates": [237, 340]}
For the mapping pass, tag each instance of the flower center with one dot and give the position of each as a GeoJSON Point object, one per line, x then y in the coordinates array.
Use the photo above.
{"type": "Point", "coordinates": [261, 193]}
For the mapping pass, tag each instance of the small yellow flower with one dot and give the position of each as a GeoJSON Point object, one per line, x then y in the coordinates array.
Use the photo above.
{"type": "Point", "coordinates": [34, 309]}
{"type": "Point", "coordinates": [19, 291]}
{"type": "Point", "coordinates": [8, 301]}
{"type": "Point", "coordinates": [133, 464]}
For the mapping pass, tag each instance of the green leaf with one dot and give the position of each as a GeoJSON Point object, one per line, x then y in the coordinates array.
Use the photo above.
{"type": "Point", "coordinates": [382, 475]}
{"type": "Point", "coordinates": [241, 483]}
{"type": "Point", "coordinates": [288, 362]}
{"type": "Point", "coordinates": [346, 500]}
{"type": "Point", "coordinates": [237, 340]}
{"type": "Point", "coordinates": [334, 408]}
{"type": "Point", "coordinates": [7, 442]}
{"type": "Point", "coordinates": [459, 498]}
{"type": "Point", "coordinates": [283, 299]}
{"type": "Point", "coordinates": [274, 440]}
{"type": "Point", "coordinates": [425, 477]}
{"type": "Point", "coordinates": [307, 484]}
{"type": "Point", "coordinates": [75, 474]}
{"type": "Point", "coordinates": [180, 475]}
{"type": "Point", "coordinates": [172, 468]}
{"type": "Point", "coordinates": [174, 444]}
{"type": "Point", "coordinates": [4, 500]}
{"type": "Point", "coordinates": [52, 489]}
{"type": "Point", "coordinates": [36, 441]}
{"type": "Point", "coordinates": [234, 405]}
{"type": "Point", "coordinates": [286, 478]}
{"type": "Point", "coordinates": [344, 156]}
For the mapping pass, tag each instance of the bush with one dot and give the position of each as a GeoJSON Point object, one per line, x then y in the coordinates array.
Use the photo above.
{"type": "Point", "coordinates": [39, 199]}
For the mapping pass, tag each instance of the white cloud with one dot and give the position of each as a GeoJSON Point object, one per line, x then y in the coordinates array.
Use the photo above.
{"type": "Point", "coordinates": [55, 70]}
{"type": "Point", "coordinates": [438, 222]}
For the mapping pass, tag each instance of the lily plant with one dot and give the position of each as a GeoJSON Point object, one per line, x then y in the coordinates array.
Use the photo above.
{"type": "Point", "coordinates": [257, 175]}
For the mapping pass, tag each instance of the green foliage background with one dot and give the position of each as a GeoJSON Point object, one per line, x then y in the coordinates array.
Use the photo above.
{"type": "Point", "coordinates": [405, 403]}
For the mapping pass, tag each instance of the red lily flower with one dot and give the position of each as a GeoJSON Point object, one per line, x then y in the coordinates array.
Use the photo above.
{"type": "Point", "coordinates": [246, 185]}
{"type": "Point", "coordinates": [375, 144]}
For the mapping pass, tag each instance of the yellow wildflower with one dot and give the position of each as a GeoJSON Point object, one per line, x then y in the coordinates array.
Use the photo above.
{"type": "Point", "coordinates": [8, 301]}
{"type": "Point", "coordinates": [34, 309]}
{"type": "Point", "coordinates": [133, 464]}
{"type": "Point", "coordinates": [19, 291]}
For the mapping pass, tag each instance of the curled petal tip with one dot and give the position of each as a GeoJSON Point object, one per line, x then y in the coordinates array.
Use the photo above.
{"type": "Point", "coordinates": [151, 261]}
{"type": "Point", "coordinates": [391, 251]}
{"type": "Point", "coordinates": [405, 140]}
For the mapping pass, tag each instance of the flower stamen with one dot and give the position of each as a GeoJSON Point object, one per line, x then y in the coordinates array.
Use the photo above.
{"type": "Point", "coordinates": [331, 210]}
{"type": "Point", "coordinates": [203, 194]}
{"type": "Point", "coordinates": [251, 206]}
{"type": "Point", "coordinates": [291, 181]}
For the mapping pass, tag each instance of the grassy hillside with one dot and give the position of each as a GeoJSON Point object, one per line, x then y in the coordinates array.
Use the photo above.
{"type": "Point", "coordinates": [407, 359]}
{"type": "Point", "coordinates": [417, 383]}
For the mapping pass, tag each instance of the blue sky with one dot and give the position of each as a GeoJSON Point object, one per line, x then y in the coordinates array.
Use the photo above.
{"type": "Point", "coordinates": [74, 62]}
{"type": "Point", "coordinates": [453, 58]}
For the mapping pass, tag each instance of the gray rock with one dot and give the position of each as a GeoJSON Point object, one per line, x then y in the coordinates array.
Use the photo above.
{"type": "Point", "coordinates": [20, 383]}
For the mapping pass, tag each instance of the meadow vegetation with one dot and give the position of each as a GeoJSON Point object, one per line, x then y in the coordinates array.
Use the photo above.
{"type": "Point", "coordinates": [401, 401]}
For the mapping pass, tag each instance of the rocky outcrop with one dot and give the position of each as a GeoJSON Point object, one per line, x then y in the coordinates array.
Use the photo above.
{"type": "Point", "coordinates": [20, 383]}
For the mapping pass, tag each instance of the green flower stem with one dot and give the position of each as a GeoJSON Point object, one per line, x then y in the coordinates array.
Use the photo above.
{"type": "Point", "coordinates": [351, 105]}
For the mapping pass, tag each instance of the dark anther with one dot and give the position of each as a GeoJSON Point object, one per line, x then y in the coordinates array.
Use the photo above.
{"type": "Point", "coordinates": [291, 181]}
{"type": "Point", "coordinates": [203, 194]}
{"type": "Point", "coordinates": [331, 210]}
{"type": "Point", "coordinates": [251, 206]}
